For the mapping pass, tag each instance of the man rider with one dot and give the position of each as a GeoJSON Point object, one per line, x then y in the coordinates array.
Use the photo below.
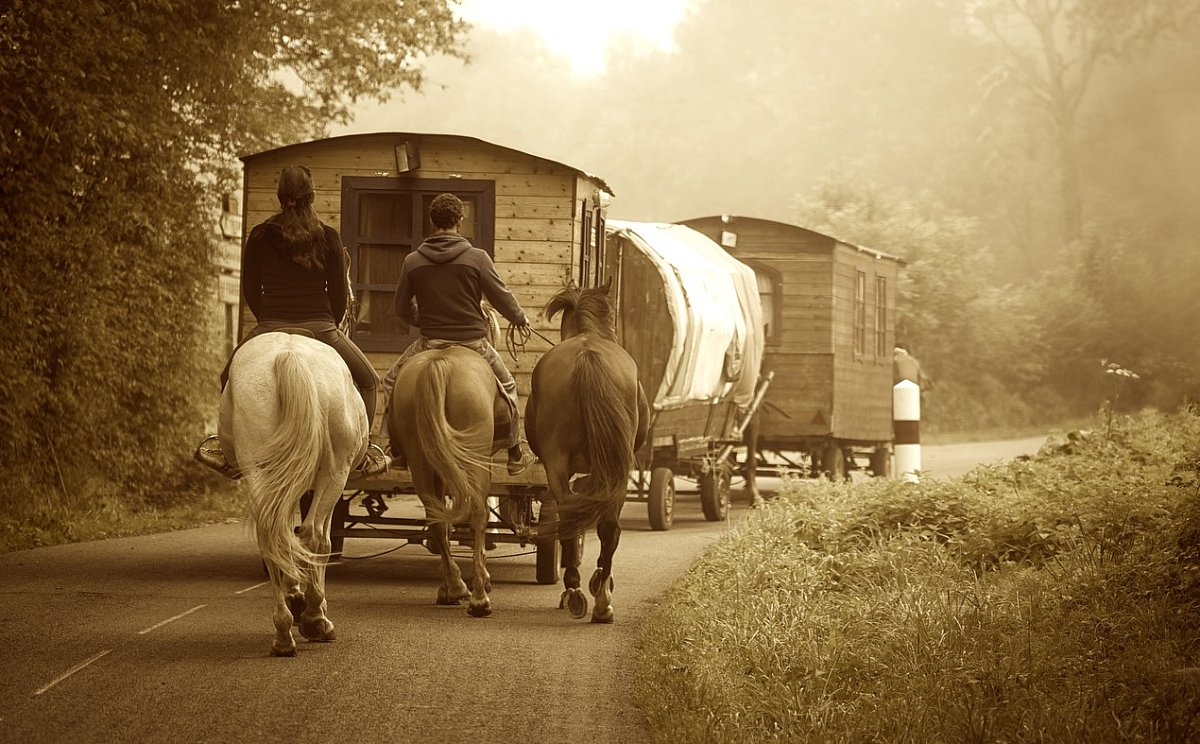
{"type": "Point", "coordinates": [441, 286]}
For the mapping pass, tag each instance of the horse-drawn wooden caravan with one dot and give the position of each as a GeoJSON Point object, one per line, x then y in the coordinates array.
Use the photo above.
{"type": "Point", "coordinates": [542, 221]}
{"type": "Point", "coordinates": [829, 331]}
{"type": "Point", "coordinates": [690, 316]}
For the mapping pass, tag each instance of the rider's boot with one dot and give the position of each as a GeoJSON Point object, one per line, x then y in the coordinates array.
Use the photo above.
{"type": "Point", "coordinates": [210, 453]}
{"type": "Point", "coordinates": [518, 460]}
{"type": "Point", "coordinates": [374, 462]}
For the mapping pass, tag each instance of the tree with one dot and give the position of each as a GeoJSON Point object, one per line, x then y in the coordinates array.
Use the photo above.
{"type": "Point", "coordinates": [114, 139]}
{"type": "Point", "coordinates": [1051, 52]}
{"type": "Point", "coordinates": [973, 337]}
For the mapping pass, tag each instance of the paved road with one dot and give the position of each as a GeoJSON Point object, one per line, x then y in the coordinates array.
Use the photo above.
{"type": "Point", "coordinates": [953, 460]}
{"type": "Point", "coordinates": [164, 638]}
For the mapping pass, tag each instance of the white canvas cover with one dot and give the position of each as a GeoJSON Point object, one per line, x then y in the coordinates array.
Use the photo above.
{"type": "Point", "coordinates": [717, 345]}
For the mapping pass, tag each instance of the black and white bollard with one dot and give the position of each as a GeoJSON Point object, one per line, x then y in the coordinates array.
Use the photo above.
{"type": "Point", "coordinates": [906, 426]}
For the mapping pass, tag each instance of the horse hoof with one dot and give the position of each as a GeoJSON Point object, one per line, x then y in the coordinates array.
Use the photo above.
{"type": "Point", "coordinates": [320, 630]}
{"type": "Point", "coordinates": [594, 583]}
{"type": "Point", "coordinates": [577, 604]}
{"type": "Point", "coordinates": [283, 651]}
{"type": "Point", "coordinates": [482, 610]}
{"type": "Point", "coordinates": [453, 597]}
{"type": "Point", "coordinates": [602, 617]}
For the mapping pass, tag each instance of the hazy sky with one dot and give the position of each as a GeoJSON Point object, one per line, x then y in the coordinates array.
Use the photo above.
{"type": "Point", "coordinates": [581, 31]}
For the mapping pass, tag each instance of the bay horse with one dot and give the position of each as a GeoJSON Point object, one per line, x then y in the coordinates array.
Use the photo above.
{"type": "Point", "coordinates": [292, 421]}
{"type": "Point", "coordinates": [446, 405]}
{"type": "Point", "coordinates": [586, 414]}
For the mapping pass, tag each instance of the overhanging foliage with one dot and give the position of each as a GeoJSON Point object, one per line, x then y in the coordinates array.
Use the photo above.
{"type": "Point", "coordinates": [120, 123]}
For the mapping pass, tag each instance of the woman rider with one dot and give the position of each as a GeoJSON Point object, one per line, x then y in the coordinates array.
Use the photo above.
{"type": "Point", "coordinates": [294, 276]}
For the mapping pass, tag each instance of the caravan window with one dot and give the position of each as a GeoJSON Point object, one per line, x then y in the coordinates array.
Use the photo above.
{"type": "Point", "coordinates": [860, 314]}
{"type": "Point", "coordinates": [882, 347]}
{"type": "Point", "coordinates": [383, 220]}
{"type": "Point", "coordinates": [591, 244]}
{"type": "Point", "coordinates": [770, 283]}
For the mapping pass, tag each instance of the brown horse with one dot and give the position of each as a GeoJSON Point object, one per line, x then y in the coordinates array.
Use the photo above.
{"type": "Point", "coordinates": [586, 414]}
{"type": "Point", "coordinates": [444, 411]}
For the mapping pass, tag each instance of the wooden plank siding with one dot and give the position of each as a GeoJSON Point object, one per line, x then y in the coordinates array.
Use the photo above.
{"type": "Point", "coordinates": [537, 211]}
{"type": "Point", "coordinates": [862, 393]}
{"type": "Point", "coordinates": [821, 388]}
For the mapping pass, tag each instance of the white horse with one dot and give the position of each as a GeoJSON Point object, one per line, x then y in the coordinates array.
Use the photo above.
{"type": "Point", "coordinates": [293, 422]}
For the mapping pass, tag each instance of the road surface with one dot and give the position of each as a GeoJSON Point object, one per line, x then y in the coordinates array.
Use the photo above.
{"type": "Point", "coordinates": [953, 460]}
{"type": "Point", "coordinates": [164, 638]}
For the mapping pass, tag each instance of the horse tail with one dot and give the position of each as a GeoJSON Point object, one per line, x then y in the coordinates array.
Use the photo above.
{"type": "Point", "coordinates": [288, 468]}
{"type": "Point", "coordinates": [445, 447]}
{"type": "Point", "coordinates": [609, 426]}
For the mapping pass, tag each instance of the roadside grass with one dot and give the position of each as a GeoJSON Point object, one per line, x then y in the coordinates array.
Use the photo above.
{"type": "Point", "coordinates": [1050, 599]}
{"type": "Point", "coordinates": [50, 522]}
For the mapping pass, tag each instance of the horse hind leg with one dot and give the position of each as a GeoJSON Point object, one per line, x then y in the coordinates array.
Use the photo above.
{"type": "Point", "coordinates": [601, 584]}
{"type": "Point", "coordinates": [314, 623]}
{"type": "Point", "coordinates": [480, 604]}
{"type": "Point", "coordinates": [283, 644]}
{"type": "Point", "coordinates": [572, 598]}
{"type": "Point", "coordinates": [453, 589]}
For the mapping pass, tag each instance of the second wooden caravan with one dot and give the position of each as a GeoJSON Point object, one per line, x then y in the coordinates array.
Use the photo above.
{"type": "Point", "coordinates": [829, 322]}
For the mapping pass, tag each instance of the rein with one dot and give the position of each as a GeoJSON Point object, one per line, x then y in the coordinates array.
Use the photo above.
{"type": "Point", "coordinates": [517, 337]}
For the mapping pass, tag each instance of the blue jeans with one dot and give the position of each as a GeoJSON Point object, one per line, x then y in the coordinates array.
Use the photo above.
{"type": "Point", "coordinates": [365, 379]}
{"type": "Point", "coordinates": [508, 386]}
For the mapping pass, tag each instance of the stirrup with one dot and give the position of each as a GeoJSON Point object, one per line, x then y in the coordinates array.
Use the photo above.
{"type": "Point", "coordinates": [214, 457]}
{"type": "Point", "coordinates": [374, 462]}
{"type": "Point", "coordinates": [518, 466]}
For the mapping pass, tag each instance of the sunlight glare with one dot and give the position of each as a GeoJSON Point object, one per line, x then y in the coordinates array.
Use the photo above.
{"type": "Point", "coordinates": [583, 31]}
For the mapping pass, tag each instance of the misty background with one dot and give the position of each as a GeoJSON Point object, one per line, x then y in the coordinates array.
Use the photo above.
{"type": "Point", "coordinates": [1034, 161]}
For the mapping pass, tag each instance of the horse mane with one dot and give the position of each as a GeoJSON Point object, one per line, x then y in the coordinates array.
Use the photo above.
{"type": "Point", "coordinates": [591, 308]}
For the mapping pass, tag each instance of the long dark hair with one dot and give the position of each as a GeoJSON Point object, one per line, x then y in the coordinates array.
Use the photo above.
{"type": "Point", "coordinates": [303, 236]}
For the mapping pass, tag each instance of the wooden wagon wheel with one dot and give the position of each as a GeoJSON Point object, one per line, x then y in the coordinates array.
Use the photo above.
{"type": "Point", "coordinates": [661, 501]}
{"type": "Point", "coordinates": [714, 492]}
{"type": "Point", "coordinates": [549, 551]}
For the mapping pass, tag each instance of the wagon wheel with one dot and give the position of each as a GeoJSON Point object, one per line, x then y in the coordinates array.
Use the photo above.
{"type": "Point", "coordinates": [833, 462]}
{"type": "Point", "coordinates": [661, 504]}
{"type": "Point", "coordinates": [549, 552]}
{"type": "Point", "coordinates": [714, 493]}
{"type": "Point", "coordinates": [881, 461]}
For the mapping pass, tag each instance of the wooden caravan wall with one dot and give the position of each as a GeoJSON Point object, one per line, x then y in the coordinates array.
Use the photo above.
{"type": "Point", "coordinates": [820, 389]}
{"type": "Point", "coordinates": [537, 208]}
{"type": "Point", "coordinates": [862, 383]}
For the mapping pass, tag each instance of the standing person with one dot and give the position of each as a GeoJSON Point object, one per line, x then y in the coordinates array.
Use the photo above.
{"type": "Point", "coordinates": [441, 286]}
{"type": "Point", "coordinates": [294, 276]}
{"type": "Point", "coordinates": [906, 367]}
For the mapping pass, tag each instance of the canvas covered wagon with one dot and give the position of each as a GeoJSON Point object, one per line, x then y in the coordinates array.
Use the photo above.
{"type": "Point", "coordinates": [689, 314]}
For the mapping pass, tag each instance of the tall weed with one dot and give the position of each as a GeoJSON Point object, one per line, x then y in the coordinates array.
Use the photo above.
{"type": "Point", "coordinates": [1051, 599]}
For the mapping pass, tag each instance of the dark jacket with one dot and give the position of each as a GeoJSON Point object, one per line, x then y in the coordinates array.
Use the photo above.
{"type": "Point", "coordinates": [278, 288]}
{"type": "Point", "coordinates": [447, 277]}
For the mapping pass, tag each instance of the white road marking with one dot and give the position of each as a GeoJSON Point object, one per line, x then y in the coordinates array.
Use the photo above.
{"type": "Point", "coordinates": [171, 619]}
{"type": "Point", "coordinates": [71, 671]}
{"type": "Point", "coordinates": [251, 588]}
